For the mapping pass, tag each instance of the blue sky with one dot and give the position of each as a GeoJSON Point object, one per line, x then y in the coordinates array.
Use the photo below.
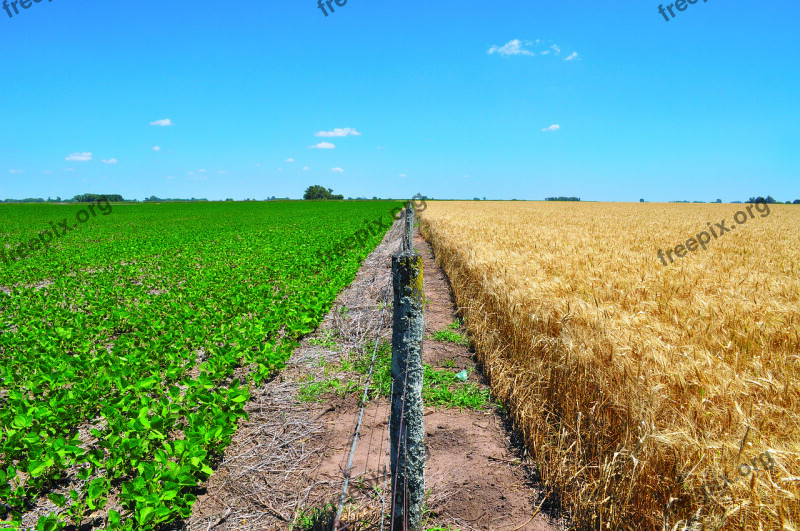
{"type": "Point", "coordinates": [505, 99]}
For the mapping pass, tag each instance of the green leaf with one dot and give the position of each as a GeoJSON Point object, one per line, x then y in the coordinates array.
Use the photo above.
{"type": "Point", "coordinates": [146, 515]}
{"type": "Point", "coordinates": [22, 421]}
{"type": "Point", "coordinates": [58, 499]}
{"type": "Point", "coordinates": [187, 480]}
{"type": "Point", "coordinates": [239, 397]}
{"type": "Point", "coordinates": [47, 523]}
{"type": "Point", "coordinates": [148, 383]}
{"type": "Point", "coordinates": [147, 470]}
{"type": "Point", "coordinates": [36, 468]}
{"type": "Point", "coordinates": [96, 490]}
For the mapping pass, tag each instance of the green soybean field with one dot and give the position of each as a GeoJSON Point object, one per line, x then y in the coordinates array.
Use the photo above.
{"type": "Point", "coordinates": [130, 340]}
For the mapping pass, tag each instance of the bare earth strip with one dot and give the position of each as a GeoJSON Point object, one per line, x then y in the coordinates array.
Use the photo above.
{"type": "Point", "coordinates": [288, 459]}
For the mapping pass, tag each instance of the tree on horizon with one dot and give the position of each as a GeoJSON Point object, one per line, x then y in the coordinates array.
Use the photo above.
{"type": "Point", "coordinates": [320, 192]}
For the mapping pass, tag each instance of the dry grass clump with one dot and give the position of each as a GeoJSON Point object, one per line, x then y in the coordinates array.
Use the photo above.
{"type": "Point", "coordinates": [633, 383]}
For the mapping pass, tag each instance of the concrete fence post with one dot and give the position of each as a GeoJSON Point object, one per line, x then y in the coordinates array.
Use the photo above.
{"type": "Point", "coordinates": [406, 428]}
{"type": "Point", "coordinates": [408, 233]}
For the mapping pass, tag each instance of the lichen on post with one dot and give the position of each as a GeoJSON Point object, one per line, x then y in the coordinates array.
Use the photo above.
{"type": "Point", "coordinates": [406, 424]}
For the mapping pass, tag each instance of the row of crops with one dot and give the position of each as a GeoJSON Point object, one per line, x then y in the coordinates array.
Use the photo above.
{"type": "Point", "coordinates": [128, 349]}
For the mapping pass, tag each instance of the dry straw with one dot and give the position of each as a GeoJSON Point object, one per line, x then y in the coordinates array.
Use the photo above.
{"type": "Point", "coordinates": [631, 383]}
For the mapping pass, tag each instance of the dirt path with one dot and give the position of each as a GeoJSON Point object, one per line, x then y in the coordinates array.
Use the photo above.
{"type": "Point", "coordinates": [286, 462]}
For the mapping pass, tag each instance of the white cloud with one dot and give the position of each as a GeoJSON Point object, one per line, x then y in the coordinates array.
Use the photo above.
{"type": "Point", "coordinates": [163, 123]}
{"type": "Point", "coordinates": [289, 160]}
{"type": "Point", "coordinates": [16, 171]}
{"type": "Point", "coordinates": [402, 175]}
{"type": "Point", "coordinates": [222, 172]}
{"type": "Point", "coordinates": [337, 170]}
{"type": "Point", "coordinates": [323, 145]}
{"type": "Point", "coordinates": [306, 168]}
{"type": "Point", "coordinates": [69, 169]}
{"type": "Point", "coordinates": [170, 177]}
{"type": "Point", "coordinates": [514, 47]}
{"type": "Point", "coordinates": [466, 176]}
{"type": "Point", "coordinates": [554, 127]}
{"type": "Point", "coordinates": [79, 157]}
{"type": "Point", "coordinates": [47, 172]}
{"type": "Point", "coordinates": [338, 132]}
{"type": "Point", "coordinates": [110, 161]}
{"type": "Point", "coordinates": [191, 173]}
{"type": "Point", "coordinates": [156, 148]}
{"type": "Point", "coordinates": [518, 47]}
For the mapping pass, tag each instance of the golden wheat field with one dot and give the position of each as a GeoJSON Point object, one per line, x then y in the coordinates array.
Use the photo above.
{"type": "Point", "coordinates": [650, 396]}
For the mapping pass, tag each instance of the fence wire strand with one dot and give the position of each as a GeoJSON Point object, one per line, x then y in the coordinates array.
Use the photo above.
{"type": "Point", "coordinates": [360, 417]}
{"type": "Point", "coordinates": [393, 472]}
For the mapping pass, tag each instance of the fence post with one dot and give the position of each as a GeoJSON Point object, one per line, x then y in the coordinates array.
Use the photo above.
{"type": "Point", "coordinates": [408, 233]}
{"type": "Point", "coordinates": [406, 428]}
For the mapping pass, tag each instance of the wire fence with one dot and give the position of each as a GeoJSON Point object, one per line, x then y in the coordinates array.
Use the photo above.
{"type": "Point", "coordinates": [402, 465]}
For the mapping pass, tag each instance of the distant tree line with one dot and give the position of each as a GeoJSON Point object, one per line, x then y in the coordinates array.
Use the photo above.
{"type": "Point", "coordinates": [760, 199]}
{"type": "Point", "coordinates": [320, 192]}
{"type": "Point", "coordinates": [93, 198]}
{"type": "Point", "coordinates": [153, 199]}
{"type": "Point", "coordinates": [770, 200]}
{"type": "Point", "coordinates": [374, 198]}
{"type": "Point", "coordinates": [26, 200]}
{"type": "Point", "coordinates": [312, 192]}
